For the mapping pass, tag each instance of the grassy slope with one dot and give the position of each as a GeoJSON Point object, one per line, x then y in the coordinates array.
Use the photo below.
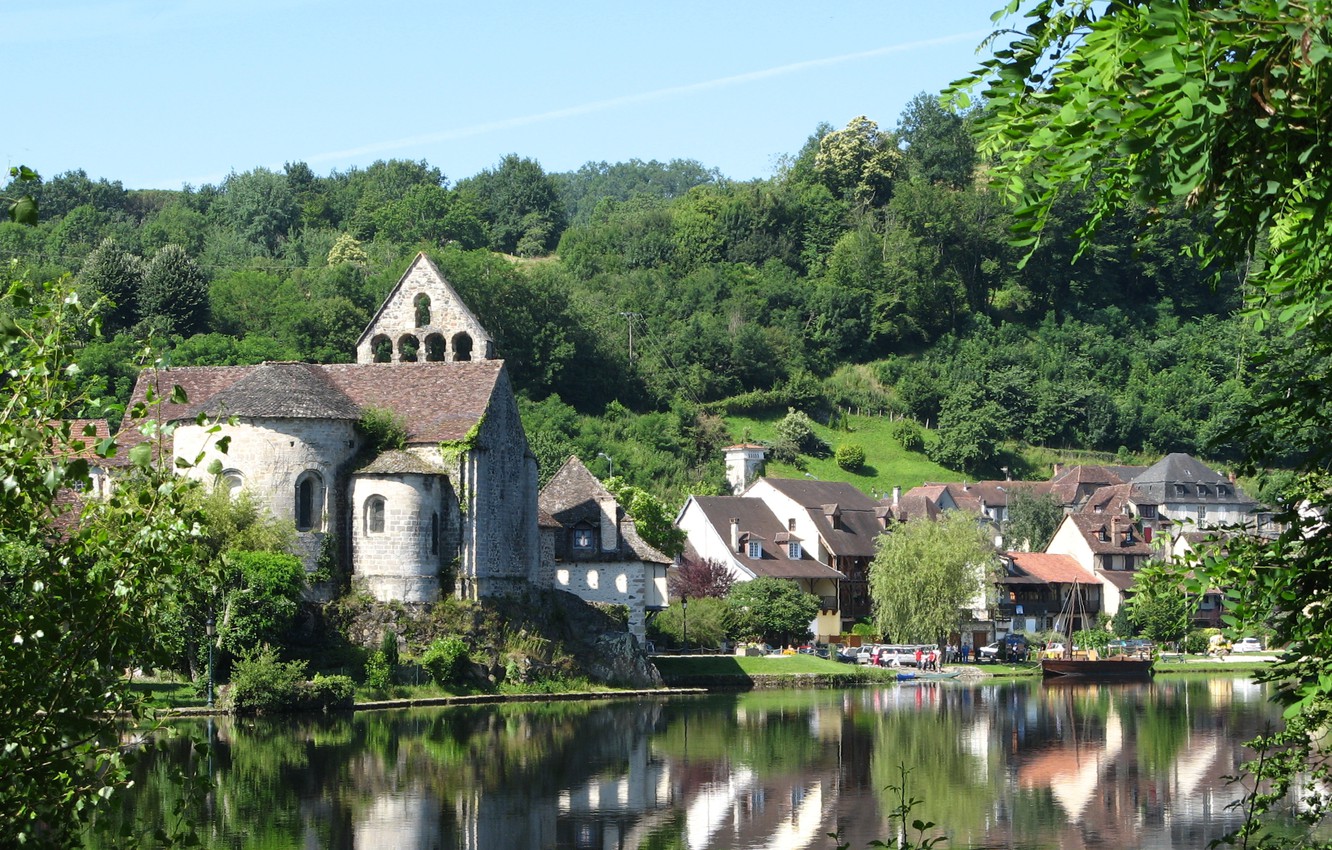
{"type": "Point", "coordinates": [887, 464]}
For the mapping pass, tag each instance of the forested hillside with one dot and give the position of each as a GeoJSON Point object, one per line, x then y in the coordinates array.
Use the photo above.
{"type": "Point", "coordinates": [638, 303]}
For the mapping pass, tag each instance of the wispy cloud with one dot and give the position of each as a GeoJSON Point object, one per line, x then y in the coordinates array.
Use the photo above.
{"type": "Point", "coordinates": [636, 99]}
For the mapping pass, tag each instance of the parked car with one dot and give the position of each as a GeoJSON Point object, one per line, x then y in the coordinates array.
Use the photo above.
{"type": "Point", "coordinates": [899, 655]}
{"type": "Point", "coordinates": [1248, 644]}
{"type": "Point", "coordinates": [846, 654]}
{"type": "Point", "coordinates": [989, 652]}
{"type": "Point", "coordinates": [865, 654]}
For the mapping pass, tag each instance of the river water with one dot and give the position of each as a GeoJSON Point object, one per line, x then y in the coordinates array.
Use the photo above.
{"type": "Point", "coordinates": [1015, 765]}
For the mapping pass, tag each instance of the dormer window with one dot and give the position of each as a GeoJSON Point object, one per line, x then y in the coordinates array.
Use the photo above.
{"type": "Point", "coordinates": [582, 539]}
{"type": "Point", "coordinates": [790, 524]}
{"type": "Point", "coordinates": [756, 549]}
{"type": "Point", "coordinates": [1180, 490]}
{"type": "Point", "coordinates": [1202, 489]}
{"type": "Point", "coordinates": [1222, 490]}
{"type": "Point", "coordinates": [1102, 535]}
{"type": "Point", "coordinates": [1147, 511]}
{"type": "Point", "coordinates": [793, 550]}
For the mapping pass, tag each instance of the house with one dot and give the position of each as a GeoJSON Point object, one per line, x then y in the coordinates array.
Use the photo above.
{"type": "Point", "coordinates": [1186, 491]}
{"type": "Point", "coordinates": [592, 548]}
{"type": "Point", "coordinates": [454, 510]}
{"type": "Point", "coordinates": [743, 534]}
{"type": "Point", "coordinates": [837, 525]}
{"type": "Point", "coordinates": [1035, 589]}
{"type": "Point", "coordinates": [1110, 546]}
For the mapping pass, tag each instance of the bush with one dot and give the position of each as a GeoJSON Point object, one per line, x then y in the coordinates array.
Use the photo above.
{"type": "Point", "coordinates": [262, 684]}
{"type": "Point", "coordinates": [328, 692]}
{"type": "Point", "coordinates": [378, 671]}
{"type": "Point", "coordinates": [797, 429]}
{"type": "Point", "coordinates": [850, 457]}
{"type": "Point", "coordinates": [445, 661]}
{"type": "Point", "coordinates": [1195, 642]}
{"type": "Point", "coordinates": [908, 435]}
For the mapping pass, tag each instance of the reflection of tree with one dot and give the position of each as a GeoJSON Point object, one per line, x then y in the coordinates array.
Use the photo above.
{"type": "Point", "coordinates": [956, 786]}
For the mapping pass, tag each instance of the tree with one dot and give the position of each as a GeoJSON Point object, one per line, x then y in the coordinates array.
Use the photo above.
{"type": "Point", "coordinates": [258, 205]}
{"type": "Point", "coordinates": [938, 147]}
{"type": "Point", "coordinates": [81, 580]}
{"type": "Point", "coordinates": [519, 204]}
{"type": "Point", "coordinates": [653, 522]}
{"type": "Point", "coordinates": [1224, 105]}
{"type": "Point", "coordinates": [1031, 519]}
{"type": "Point", "coordinates": [699, 577]}
{"type": "Point", "coordinates": [859, 162]}
{"type": "Point", "coordinates": [1162, 616]}
{"type": "Point", "coordinates": [970, 428]}
{"type": "Point", "coordinates": [925, 573]}
{"type": "Point", "coordinates": [708, 622]}
{"type": "Point", "coordinates": [774, 610]}
{"type": "Point", "coordinates": [115, 274]}
{"type": "Point", "coordinates": [175, 291]}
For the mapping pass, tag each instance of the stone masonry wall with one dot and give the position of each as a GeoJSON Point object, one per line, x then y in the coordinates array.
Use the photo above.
{"type": "Point", "coordinates": [401, 562]}
{"type": "Point", "coordinates": [448, 316]}
{"type": "Point", "coordinates": [270, 456]}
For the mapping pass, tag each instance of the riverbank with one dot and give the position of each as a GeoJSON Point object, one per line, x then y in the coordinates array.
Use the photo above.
{"type": "Point", "coordinates": [696, 674]}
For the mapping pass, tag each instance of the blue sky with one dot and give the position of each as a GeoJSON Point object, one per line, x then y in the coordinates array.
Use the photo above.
{"type": "Point", "coordinates": [161, 93]}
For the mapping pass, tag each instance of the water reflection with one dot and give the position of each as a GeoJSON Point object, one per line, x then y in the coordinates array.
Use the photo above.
{"type": "Point", "coordinates": [1018, 765]}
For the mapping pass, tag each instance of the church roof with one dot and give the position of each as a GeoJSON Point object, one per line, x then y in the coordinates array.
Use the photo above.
{"type": "Point", "coordinates": [440, 402]}
{"type": "Point", "coordinates": [280, 391]}
{"type": "Point", "coordinates": [398, 462]}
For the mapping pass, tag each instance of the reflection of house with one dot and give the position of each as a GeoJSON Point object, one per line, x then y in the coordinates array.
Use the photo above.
{"type": "Point", "coordinates": [750, 540]}
{"type": "Point", "coordinates": [839, 526]}
{"type": "Point", "coordinates": [595, 551]}
{"type": "Point", "coordinates": [459, 500]}
{"type": "Point", "coordinates": [1035, 589]}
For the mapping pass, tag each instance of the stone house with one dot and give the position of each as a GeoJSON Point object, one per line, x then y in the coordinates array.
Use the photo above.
{"type": "Point", "coordinates": [592, 548]}
{"type": "Point", "coordinates": [454, 509]}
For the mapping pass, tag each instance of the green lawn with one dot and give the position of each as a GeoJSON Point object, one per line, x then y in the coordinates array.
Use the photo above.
{"type": "Point", "coordinates": [887, 464]}
{"type": "Point", "coordinates": [740, 665]}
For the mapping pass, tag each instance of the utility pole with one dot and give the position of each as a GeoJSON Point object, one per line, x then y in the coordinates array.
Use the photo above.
{"type": "Point", "coordinates": [629, 318]}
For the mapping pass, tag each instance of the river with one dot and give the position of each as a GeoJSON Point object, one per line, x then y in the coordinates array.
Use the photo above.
{"type": "Point", "coordinates": [1013, 765]}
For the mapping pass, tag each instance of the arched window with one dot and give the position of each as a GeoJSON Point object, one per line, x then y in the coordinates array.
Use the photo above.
{"type": "Point", "coordinates": [374, 515]}
{"type": "Point", "coordinates": [434, 347]}
{"type": "Point", "coordinates": [233, 481]}
{"type": "Point", "coordinates": [381, 348]}
{"type": "Point", "coordinates": [309, 501]}
{"type": "Point", "coordinates": [422, 304]}
{"type": "Point", "coordinates": [408, 345]}
{"type": "Point", "coordinates": [462, 347]}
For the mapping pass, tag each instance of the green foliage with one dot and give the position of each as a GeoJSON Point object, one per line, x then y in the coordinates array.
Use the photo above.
{"type": "Point", "coordinates": [1032, 519]}
{"type": "Point", "coordinates": [378, 671]}
{"type": "Point", "coordinates": [797, 431]}
{"type": "Point", "coordinates": [520, 206]}
{"type": "Point", "coordinates": [924, 573]}
{"type": "Point", "coordinates": [850, 457]}
{"type": "Point", "coordinates": [446, 661]}
{"type": "Point", "coordinates": [81, 580]}
{"type": "Point", "coordinates": [1195, 642]}
{"type": "Point", "coordinates": [654, 522]}
{"type": "Point", "coordinates": [1097, 639]}
{"type": "Point", "coordinates": [174, 291]}
{"type": "Point", "coordinates": [261, 600]}
{"type": "Point", "coordinates": [710, 623]}
{"type": "Point", "coordinates": [383, 430]}
{"type": "Point", "coordinates": [908, 435]}
{"type": "Point", "coordinates": [261, 683]}
{"type": "Point", "coordinates": [773, 610]}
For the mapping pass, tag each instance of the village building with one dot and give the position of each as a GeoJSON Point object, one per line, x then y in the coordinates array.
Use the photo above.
{"type": "Point", "coordinates": [592, 549]}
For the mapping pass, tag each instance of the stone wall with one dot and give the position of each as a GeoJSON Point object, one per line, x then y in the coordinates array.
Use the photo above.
{"type": "Point", "coordinates": [610, 582]}
{"type": "Point", "coordinates": [402, 561]}
{"type": "Point", "coordinates": [270, 456]}
{"type": "Point", "coordinates": [448, 317]}
{"type": "Point", "coordinates": [501, 547]}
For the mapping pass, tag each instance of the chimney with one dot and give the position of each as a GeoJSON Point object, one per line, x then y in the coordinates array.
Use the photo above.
{"type": "Point", "coordinates": [1114, 531]}
{"type": "Point", "coordinates": [735, 534]}
{"type": "Point", "coordinates": [610, 525]}
{"type": "Point", "coordinates": [897, 495]}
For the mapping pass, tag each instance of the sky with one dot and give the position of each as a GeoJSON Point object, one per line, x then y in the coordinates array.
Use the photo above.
{"type": "Point", "coordinates": [159, 94]}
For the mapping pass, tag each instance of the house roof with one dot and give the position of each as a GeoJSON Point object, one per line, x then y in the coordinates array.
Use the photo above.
{"type": "Point", "coordinates": [439, 402]}
{"type": "Point", "coordinates": [1090, 525]}
{"type": "Point", "coordinates": [1122, 579]}
{"type": "Point", "coordinates": [857, 528]}
{"type": "Point", "coordinates": [575, 495]}
{"type": "Point", "coordinates": [758, 522]}
{"type": "Point", "coordinates": [1179, 476]}
{"type": "Point", "coordinates": [100, 430]}
{"type": "Point", "coordinates": [1051, 569]}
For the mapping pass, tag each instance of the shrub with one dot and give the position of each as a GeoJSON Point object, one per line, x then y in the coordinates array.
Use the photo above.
{"type": "Point", "coordinates": [262, 683]}
{"type": "Point", "coordinates": [328, 692]}
{"type": "Point", "coordinates": [908, 435]}
{"type": "Point", "coordinates": [378, 671]}
{"type": "Point", "coordinates": [1195, 643]}
{"type": "Point", "coordinates": [850, 457]}
{"type": "Point", "coordinates": [446, 660]}
{"type": "Point", "coordinates": [798, 429]}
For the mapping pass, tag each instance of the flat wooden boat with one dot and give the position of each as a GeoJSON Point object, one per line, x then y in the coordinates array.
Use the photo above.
{"type": "Point", "coordinates": [1116, 669]}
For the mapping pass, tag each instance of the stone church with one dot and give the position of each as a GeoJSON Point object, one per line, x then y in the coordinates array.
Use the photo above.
{"type": "Point", "coordinates": [458, 502]}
